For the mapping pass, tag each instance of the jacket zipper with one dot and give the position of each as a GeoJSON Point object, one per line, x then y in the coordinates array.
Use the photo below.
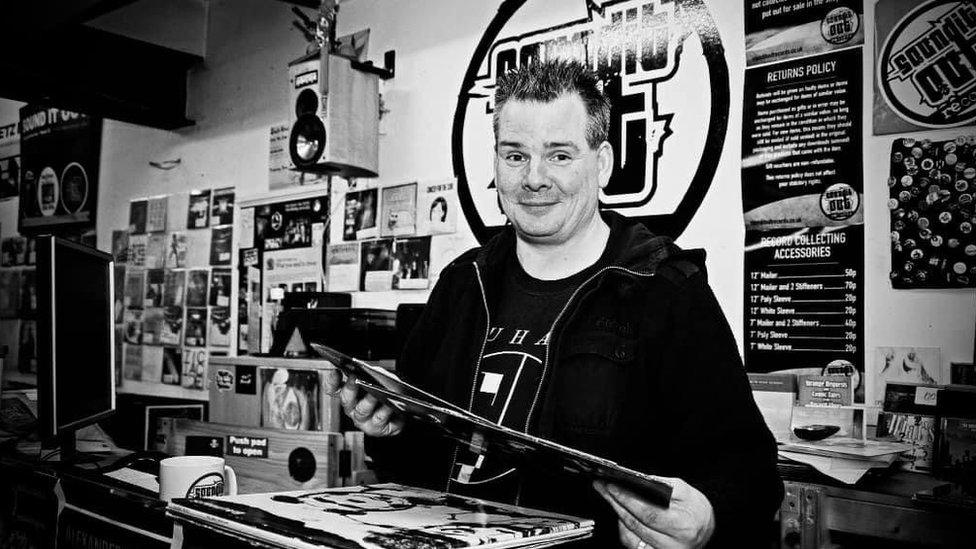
{"type": "Point", "coordinates": [477, 366]}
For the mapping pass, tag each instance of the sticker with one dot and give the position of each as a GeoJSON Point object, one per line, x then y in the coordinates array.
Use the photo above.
{"type": "Point", "coordinates": [926, 396]}
{"type": "Point", "coordinates": [246, 382]}
{"type": "Point", "coordinates": [224, 380]}
{"type": "Point", "coordinates": [204, 446]}
{"type": "Point", "coordinates": [250, 447]}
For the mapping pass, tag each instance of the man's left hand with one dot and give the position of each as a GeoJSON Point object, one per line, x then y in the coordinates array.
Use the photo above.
{"type": "Point", "coordinates": [688, 522]}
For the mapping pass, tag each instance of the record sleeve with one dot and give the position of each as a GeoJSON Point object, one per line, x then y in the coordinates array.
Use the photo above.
{"type": "Point", "coordinates": [482, 436]}
{"type": "Point", "coordinates": [195, 331]}
{"type": "Point", "coordinates": [133, 326]}
{"type": "Point", "coordinates": [194, 373]}
{"type": "Point", "coordinates": [155, 279]}
{"type": "Point", "coordinates": [220, 287]}
{"type": "Point", "coordinates": [222, 209]}
{"type": "Point", "coordinates": [118, 286]}
{"type": "Point", "coordinates": [198, 210]}
{"type": "Point", "coordinates": [138, 210]}
{"type": "Point", "coordinates": [155, 251]}
{"type": "Point", "coordinates": [135, 282]}
{"type": "Point", "coordinates": [411, 263]}
{"type": "Point", "coordinates": [132, 364]}
{"type": "Point", "coordinates": [176, 250]}
{"type": "Point", "coordinates": [172, 366]}
{"type": "Point", "coordinates": [360, 218]}
{"type": "Point", "coordinates": [377, 265]}
{"type": "Point", "coordinates": [137, 250]}
{"type": "Point", "coordinates": [398, 210]}
{"type": "Point", "coordinates": [220, 324]}
{"type": "Point", "coordinates": [120, 247]}
{"type": "Point", "coordinates": [220, 246]}
{"type": "Point", "coordinates": [152, 326]}
{"type": "Point", "coordinates": [172, 326]}
{"type": "Point", "coordinates": [156, 214]}
{"type": "Point", "coordinates": [174, 288]}
{"type": "Point", "coordinates": [290, 399]}
{"type": "Point", "coordinates": [196, 288]}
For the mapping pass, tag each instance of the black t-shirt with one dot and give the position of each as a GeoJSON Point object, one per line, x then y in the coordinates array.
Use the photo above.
{"type": "Point", "coordinates": [510, 374]}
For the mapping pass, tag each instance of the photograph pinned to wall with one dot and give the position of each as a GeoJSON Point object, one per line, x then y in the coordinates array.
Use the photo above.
{"type": "Point", "coordinates": [438, 210]}
{"type": "Point", "coordinates": [377, 265]}
{"type": "Point", "coordinates": [156, 208]}
{"type": "Point", "coordinates": [14, 251]}
{"type": "Point", "coordinates": [292, 224]}
{"type": "Point", "coordinates": [120, 247]}
{"type": "Point", "coordinates": [176, 250]}
{"type": "Point", "coordinates": [135, 288]}
{"type": "Point", "coordinates": [360, 217]}
{"type": "Point", "coordinates": [195, 329]}
{"type": "Point", "coordinates": [197, 282]}
{"type": "Point", "coordinates": [220, 287]}
{"type": "Point", "coordinates": [9, 293]}
{"type": "Point", "coordinates": [155, 282]}
{"type": "Point", "coordinates": [921, 80]}
{"type": "Point", "coordinates": [342, 267]}
{"type": "Point", "coordinates": [799, 175]}
{"type": "Point", "coordinates": [784, 29]}
{"type": "Point", "coordinates": [138, 214]}
{"type": "Point", "coordinates": [156, 250]}
{"type": "Point", "coordinates": [174, 288]}
{"type": "Point", "coordinates": [290, 399]}
{"type": "Point", "coordinates": [198, 210]}
{"type": "Point", "coordinates": [152, 326]}
{"type": "Point", "coordinates": [60, 155]}
{"type": "Point", "coordinates": [930, 201]}
{"type": "Point", "coordinates": [220, 324]}
{"type": "Point", "coordinates": [220, 246]}
{"type": "Point", "coordinates": [132, 365]}
{"type": "Point", "coordinates": [194, 373]}
{"type": "Point", "coordinates": [137, 250]}
{"type": "Point", "coordinates": [118, 286]}
{"type": "Point", "coordinates": [171, 332]}
{"type": "Point", "coordinates": [222, 207]}
{"type": "Point", "coordinates": [903, 365]}
{"type": "Point", "coordinates": [398, 210]}
{"type": "Point", "coordinates": [411, 263]}
{"type": "Point", "coordinates": [172, 366]}
{"type": "Point", "coordinates": [133, 326]}
{"type": "Point", "coordinates": [9, 177]}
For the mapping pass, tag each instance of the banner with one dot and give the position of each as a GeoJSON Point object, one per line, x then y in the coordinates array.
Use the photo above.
{"type": "Point", "coordinates": [60, 153]}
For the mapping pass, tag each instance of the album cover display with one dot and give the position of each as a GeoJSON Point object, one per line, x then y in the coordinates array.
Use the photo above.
{"type": "Point", "coordinates": [219, 327]}
{"type": "Point", "coordinates": [171, 329]}
{"type": "Point", "coordinates": [196, 288]}
{"type": "Point", "coordinates": [360, 217]}
{"type": "Point", "coordinates": [133, 326]}
{"type": "Point", "coordinates": [137, 250]}
{"type": "Point", "coordinates": [155, 251]}
{"type": "Point", "coordinates": [377, 265]}
{"type": "Point", "coordinates": [194, 373]}
{"type": "Point", "coordinates": [290, 399]}
{"type": "Point", "coordinates": [174, 288]}
{"type": "Point", "coordinates": [132, 364]}
{"type": "Point", "coordinates": [176, 250]}
{"type": "Point", "coordinates": [222, 209]}
{"type": "Point", "coordinates": [138, 210]}
{"type": "Point", "coordinates": [152, 326]}
{"type": "Point", "coordinates": [377, 517]}
{"type": "Point", "coordinates": [198, 210]}
{"type": "Point", "coordinates": [156, 214]}
{"type": "Point", "coordinates": [155, 281]}
{"type": "Point", "coordinates": [411, 263]}
{"type": "Point", "coordinates": [398, 210]}
{"type": "Point", "coordinates": [485, 436]}
{"type": "Point", "coordinates": [135, 283]}
{"type": "Point", "coordinates": [220, 245]}
{"type": "Point", "coordinates": [195, 330]}
{"type": "Point", "coordinates": [172, 366]}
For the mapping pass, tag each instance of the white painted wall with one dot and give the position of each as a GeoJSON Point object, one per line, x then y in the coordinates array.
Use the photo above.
{"type": "Point", "coordinates": [240, 91]}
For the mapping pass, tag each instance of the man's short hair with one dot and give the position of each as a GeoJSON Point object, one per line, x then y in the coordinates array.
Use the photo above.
{"type": "Point", "coordinates": [545, 81]}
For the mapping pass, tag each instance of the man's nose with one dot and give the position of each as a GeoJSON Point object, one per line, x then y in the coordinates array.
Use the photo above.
{"type": "Point", "coordinates": [537, 175]}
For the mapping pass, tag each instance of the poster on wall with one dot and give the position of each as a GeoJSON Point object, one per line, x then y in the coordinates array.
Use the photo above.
{"type": "Point", "coordinates": [930, 200]}
{"type": "Point", "coordinates": [360, 219]}
{"type": "Point", "coordinates": [777, 30]}
{"type": "Point", "coordinates": [342, 267]}
{"type": "Point", "coordinates": [9, 160]}
{"type": "Point", "coordinates": [281, 170]}
{"type": "Point", "coordinates": [290, 224]}
{"type": "Point", "coordinates": [802, 155]}
{"type": "Point", "coordinates": [60, 152]}
{"type": "Point", "coordinates": [925, 65]}
{"type": "Point", "coordinates": [411, 263]}
{"type": "Point", "coordinates": [804, 301]}
{"type": "Point", "coordinates": [398, 210]}
{"type": "Point", "coordinates": [289, 270]}
{"type": "Point", "coordinates": [438, 207]}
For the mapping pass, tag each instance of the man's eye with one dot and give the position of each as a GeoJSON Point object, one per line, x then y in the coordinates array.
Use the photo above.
{"type": "Point", "coordinates": [560, 158]}
{"type": "Point", "coordinates": [514, 158]}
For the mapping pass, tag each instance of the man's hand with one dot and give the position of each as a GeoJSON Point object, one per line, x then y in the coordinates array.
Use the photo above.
{"type": "Point", "coordinates": [367, 414]}
{"type": "Point", "coordinates": [688, 522]}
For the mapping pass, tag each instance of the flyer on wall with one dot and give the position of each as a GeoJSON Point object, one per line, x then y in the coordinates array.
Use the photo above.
{"type": "Point", "coordinates": [930, 200]}
{"type": "Point", "coordinates": [60, 153]}
{"type": "Point", "coordinates": [9, 160]}
{"type": "Point", "coordinates": [360, 218]}
{"type": "Point", "coordinates": [198, 210]}
{"type": "Point", "coordinates": [222, 212]}
{"type": "Point", "coordinates": [342, 267]}
{"type": "Point", "coordinates": [283, 270]}
{"type": "Point", "coordinates": [438, 209]}
{"type": "Point", "coordinates": [924, 65]}
{"type": "Point", "coordinates": [804, 300]}
{"type": "Point", "coordinates": [411, 263]}
{"type": "Point", "coordinates": [377, 265]}
{"type": "Point", "coordinates": [777, 30]}
{"type": "Point", "coordinates": [398, 210]}
{"type": "Point", "coordinates": [156, 208]}
{"type": "Point", "coordinates": [291, 224]}
{"type": "Point", "coordinates": [802, 154]}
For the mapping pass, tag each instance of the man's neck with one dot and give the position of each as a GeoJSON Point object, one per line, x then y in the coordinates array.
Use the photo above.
{"type": "Point", "coordinates": [556, 261]}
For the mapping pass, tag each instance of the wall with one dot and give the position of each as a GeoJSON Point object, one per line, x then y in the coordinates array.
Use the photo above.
{"type": "Point", "coordinates": [240, 91]}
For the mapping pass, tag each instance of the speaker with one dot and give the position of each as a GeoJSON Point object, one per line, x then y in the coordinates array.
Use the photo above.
{"type": "Point", "coordinates": [335, 124]}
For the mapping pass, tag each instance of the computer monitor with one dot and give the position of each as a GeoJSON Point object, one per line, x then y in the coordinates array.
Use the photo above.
{"type": "Point", "coordinates": [75, 335]}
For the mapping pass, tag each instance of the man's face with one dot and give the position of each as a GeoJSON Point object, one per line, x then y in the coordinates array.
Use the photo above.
{"type": "Point", "coordinates": [548, 177]}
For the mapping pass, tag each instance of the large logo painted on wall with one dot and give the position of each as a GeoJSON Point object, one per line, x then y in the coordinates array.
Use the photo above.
{"type": "Point", "coordinates": [927, 66]}
{"type": "Point", "coordinates": [663, 65]}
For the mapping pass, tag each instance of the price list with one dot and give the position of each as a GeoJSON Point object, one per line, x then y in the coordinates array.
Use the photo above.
{"type": "Point", "coordinates": [804, 298]}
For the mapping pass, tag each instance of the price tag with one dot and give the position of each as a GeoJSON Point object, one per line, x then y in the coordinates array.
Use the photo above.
{"type": "Point", "coordinates": [926, 396]}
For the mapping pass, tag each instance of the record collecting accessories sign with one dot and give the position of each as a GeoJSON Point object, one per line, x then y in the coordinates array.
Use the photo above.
{"type": "Point", "coordinates": [927, 65]}
{"type": "Point", "coordinates": [654, 58]}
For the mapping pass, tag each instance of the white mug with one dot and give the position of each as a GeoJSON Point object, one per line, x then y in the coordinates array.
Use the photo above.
{"type": "Point", "coordinates": [195, 477]}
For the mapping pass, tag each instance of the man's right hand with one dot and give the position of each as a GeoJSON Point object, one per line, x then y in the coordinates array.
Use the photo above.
{"type": "Point", "coordinates": [367, 413]}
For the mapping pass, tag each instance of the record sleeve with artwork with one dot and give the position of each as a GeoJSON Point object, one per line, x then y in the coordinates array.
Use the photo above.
{"type": "Point", "coordinates": [290, 399]}
{"type": "Point", "coordinates": [222, 209]}
{"type": "Point", "coordinates": [195, 331]}
{"type": "Point", "coordinates": [485, 437]}
{"type": "Point", "coordinates": [379, 516]}
{"type": "Point", "coordinates": [198, 210]}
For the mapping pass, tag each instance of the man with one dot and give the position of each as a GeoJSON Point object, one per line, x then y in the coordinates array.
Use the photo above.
{"type": "Point", "coordinates": [585, 329]}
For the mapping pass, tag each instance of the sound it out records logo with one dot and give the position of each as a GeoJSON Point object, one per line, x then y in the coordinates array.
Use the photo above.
{"type": "Point", "coordinates": [927, 68]}
{"type": "Point", "coordinates": [663, 66]}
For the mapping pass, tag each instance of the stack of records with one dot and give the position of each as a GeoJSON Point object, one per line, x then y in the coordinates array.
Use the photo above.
{"type": "Point", "coordinates": [378, 516]}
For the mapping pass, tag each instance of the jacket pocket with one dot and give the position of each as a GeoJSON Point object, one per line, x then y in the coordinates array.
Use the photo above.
{"type": "Point", "coordinates": [590, 381]}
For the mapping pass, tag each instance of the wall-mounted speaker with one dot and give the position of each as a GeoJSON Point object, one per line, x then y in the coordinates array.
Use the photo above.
{"type": "Point", "coordinates": [335, 110]}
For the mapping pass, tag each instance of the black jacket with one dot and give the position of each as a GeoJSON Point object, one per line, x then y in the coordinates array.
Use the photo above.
{"type": "Point", "coordinates": [642, 369]}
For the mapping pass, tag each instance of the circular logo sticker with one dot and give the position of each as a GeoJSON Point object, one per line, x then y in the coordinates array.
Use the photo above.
{"type": "Point", "coordinates": [654, 59]}
{"type": "Point", "coordinates": [74, 187]}
{"type": "Point", "coordinates": [839, 202]}
{"type": "Point", "coordinates": [47, 192]}
{"type": "Point", "coordinates": [840, 25]}
{"type": "Point", "coordinates": [926, 66]}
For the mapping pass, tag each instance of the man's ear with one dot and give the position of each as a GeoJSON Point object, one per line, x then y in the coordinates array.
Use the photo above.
{"type": "Point", "coordinates": [604, 159]}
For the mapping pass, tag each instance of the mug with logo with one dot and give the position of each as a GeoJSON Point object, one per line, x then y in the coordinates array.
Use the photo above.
{"type": "Point", "coordinates": [195, 477]}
